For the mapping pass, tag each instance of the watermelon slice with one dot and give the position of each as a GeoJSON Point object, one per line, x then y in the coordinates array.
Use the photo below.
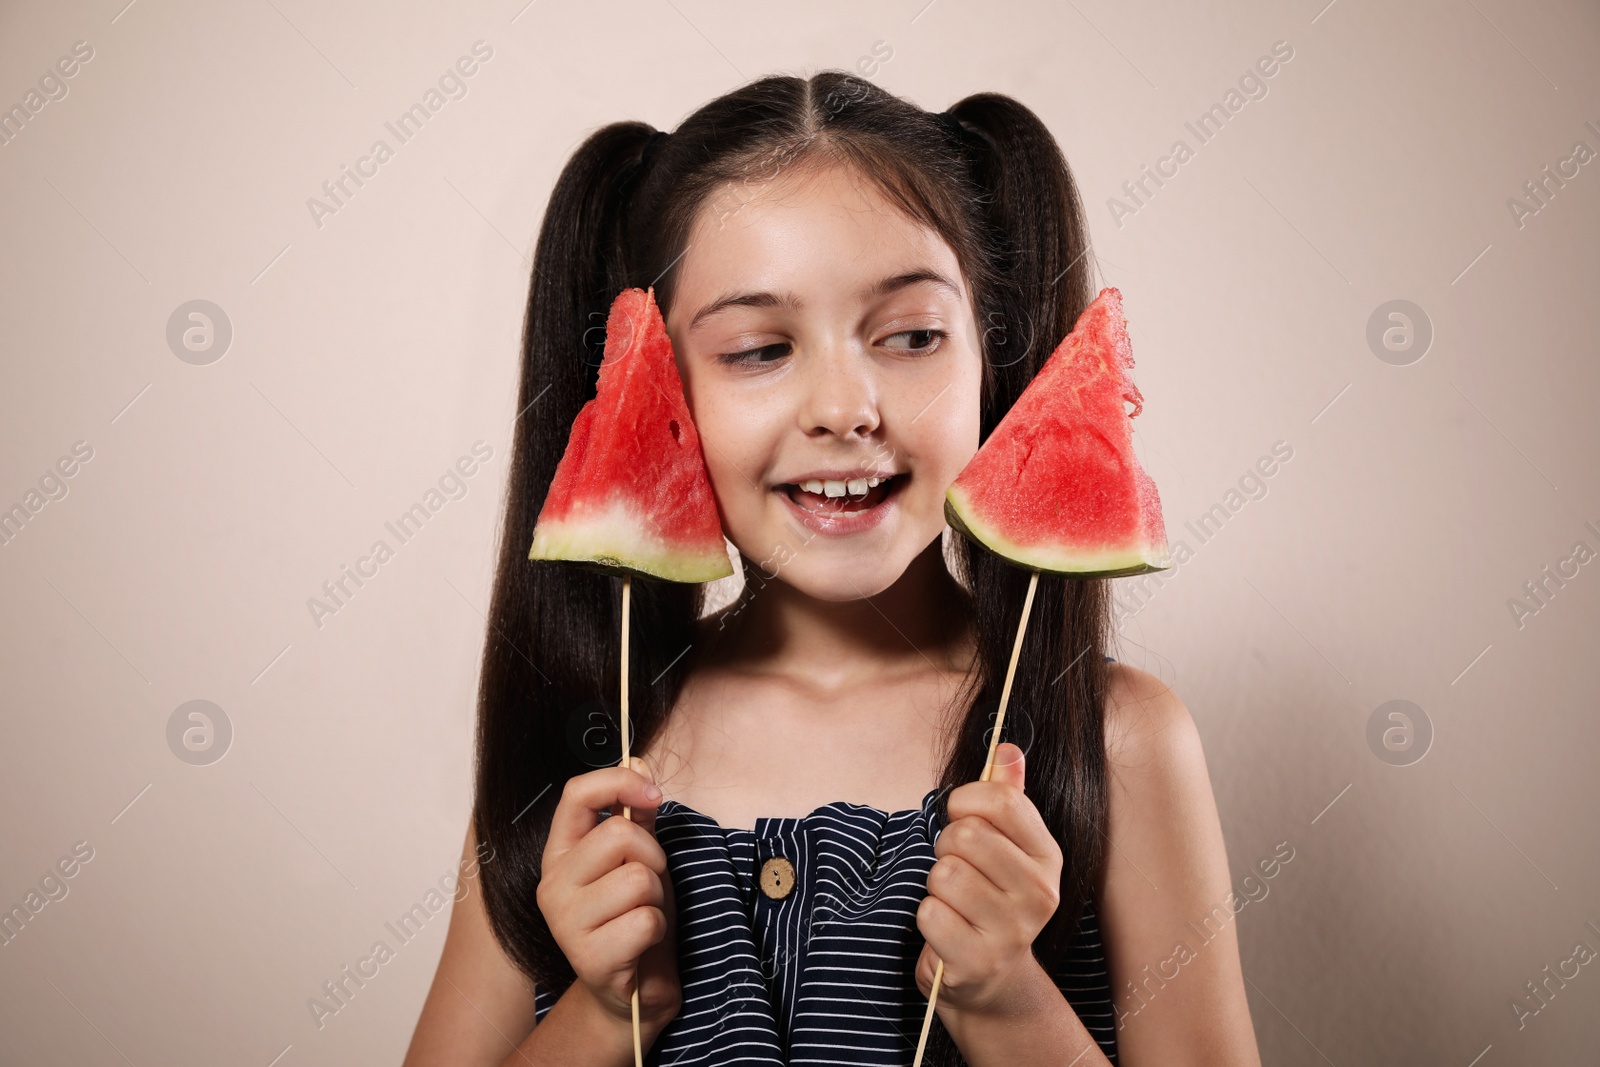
{"type": "Point", "coordinates": [1056, 486]}
{"type": "Point", "coordinates": [631, 494]}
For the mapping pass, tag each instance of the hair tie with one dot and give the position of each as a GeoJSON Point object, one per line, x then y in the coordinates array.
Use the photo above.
{"type": "Point", "coordinates": [951, 124]}
{"type": "Point", "coordinates": [651, 143]}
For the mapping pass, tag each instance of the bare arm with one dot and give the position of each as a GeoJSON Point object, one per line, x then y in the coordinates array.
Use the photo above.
{"type": "Point", "coordinates": [1168, 919]}
{"type": "Point", "coordinates": [480, 1005]}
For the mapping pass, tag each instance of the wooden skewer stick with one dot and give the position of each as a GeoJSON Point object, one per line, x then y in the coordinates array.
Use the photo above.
{"type": "Point", "coordinates": [627, 812]}
{"type": "Point", "coordinates": [988, 772]}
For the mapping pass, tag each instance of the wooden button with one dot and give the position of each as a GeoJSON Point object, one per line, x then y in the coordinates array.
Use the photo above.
{"type": "Point", "coordinates": [777, 877]}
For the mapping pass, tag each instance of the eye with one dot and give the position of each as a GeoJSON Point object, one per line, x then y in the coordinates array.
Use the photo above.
{"type": "Point", "coordinates": [931, 339]}
{"type": "Point", "coordinates": [748, 355]}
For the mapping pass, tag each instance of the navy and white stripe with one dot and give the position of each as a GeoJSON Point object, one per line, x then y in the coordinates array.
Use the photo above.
{"type": "Point", "coordinates": [826, 974]}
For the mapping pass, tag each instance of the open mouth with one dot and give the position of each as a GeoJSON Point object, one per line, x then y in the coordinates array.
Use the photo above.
{"type": "Point", "coordinates": [814, 497]}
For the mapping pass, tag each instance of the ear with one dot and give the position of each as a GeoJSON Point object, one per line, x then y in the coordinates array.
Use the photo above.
{"type": "Point", "coordinates": [1008, 764]}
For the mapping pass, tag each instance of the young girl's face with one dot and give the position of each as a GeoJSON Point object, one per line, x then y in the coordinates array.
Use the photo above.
{"type": "Point", "coordinates": [826, 340]}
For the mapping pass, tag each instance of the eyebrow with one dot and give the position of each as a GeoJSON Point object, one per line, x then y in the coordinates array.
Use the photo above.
{"type": "Point", "coordinates": [880, 288]}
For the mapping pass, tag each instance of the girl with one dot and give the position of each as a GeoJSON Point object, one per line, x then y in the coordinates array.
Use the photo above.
{"type": "Point", "coordinates": [856, 291]}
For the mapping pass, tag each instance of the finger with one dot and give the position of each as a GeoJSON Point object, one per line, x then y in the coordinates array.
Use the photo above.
{"type": "Point", "coordinates": [644, 816]}
{"type": "Point", "coordinates": [969, 893]}
{"type": "Point", "coordinates": [1008, 765]}
{"type": "Point", "coordinates": [927, 967]}
{"type": "Point", "coordinates": [659, 963]}
{"type": "Point", "coordinates": [1009, 810]}
{"type": "Point", "coordinates": [660, 994]}
{"type": "Point", "coordinates": [630, 886]}
{"type": "Point", "coordinates": [999, 859]}
{"type": "Point", "coordinates": [946, 931]}
{"type": "Point", "coordinates": [614, 842]}
{"type": "Point", "coordinates": [585, 795]}
{"type": "Point", "coordinates": [616, 947]}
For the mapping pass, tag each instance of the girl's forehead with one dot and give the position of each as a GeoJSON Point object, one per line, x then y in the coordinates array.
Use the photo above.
{"type": "Point", "coordinates": [824, 229]}
{"type": "Point", "coordinates": [820, 192]}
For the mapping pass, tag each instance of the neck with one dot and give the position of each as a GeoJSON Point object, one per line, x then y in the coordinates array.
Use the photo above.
{"type": "Point", "coordinates": [919, 623]}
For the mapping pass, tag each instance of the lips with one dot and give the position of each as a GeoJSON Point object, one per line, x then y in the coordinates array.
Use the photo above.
{"type": "Point", "coordinates": [847, 515]}
{"type": "Point", "coordinates": [820, 504]}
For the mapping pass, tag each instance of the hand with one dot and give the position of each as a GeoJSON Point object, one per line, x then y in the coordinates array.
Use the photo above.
{"type": "Point", "coordinates": [605, 892]}
{"type": "Point", "coordinates": [994, 885]}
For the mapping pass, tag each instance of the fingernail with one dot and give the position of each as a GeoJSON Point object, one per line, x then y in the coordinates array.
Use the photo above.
{"type": "Point", "coordinates": [651, 792]}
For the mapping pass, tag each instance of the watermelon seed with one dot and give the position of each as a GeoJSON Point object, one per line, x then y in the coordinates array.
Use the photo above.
{"type": "Point", "coordinates": [677, 431]}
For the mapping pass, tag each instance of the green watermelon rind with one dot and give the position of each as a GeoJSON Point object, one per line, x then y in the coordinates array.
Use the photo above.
{"type": "Point", "coordinates": [1139, 560]}
{"type": "Point", "coordinates": [590, 543]}
{"type": "Point", "coordinates": [624, 534]}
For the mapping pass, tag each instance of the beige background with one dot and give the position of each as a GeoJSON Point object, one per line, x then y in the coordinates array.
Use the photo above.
{"type": "Point", "coordinates": [372, 352]}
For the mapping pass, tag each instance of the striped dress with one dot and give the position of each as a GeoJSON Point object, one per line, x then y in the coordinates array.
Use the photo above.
{"type": "Point", "coordinates": [825, 972]}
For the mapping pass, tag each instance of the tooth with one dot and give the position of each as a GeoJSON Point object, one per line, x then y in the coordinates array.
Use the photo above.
{"type": "Point", "coordinates": [832, 488]}
{"type": "Point", "coordinates": [872, 483]}
{"type": "Point", "coordinates": [856, 486]}
{"type": "Point", "coordinates": [812, 486]}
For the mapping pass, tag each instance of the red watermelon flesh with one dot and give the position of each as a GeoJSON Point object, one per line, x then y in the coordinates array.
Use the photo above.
{"type": "Point", "coordinates": [631, 493]}
{"type": "Point", "coordinates": [1056, 486]}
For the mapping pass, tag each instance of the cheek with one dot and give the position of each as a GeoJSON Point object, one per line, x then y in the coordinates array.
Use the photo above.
{"type": "Point", "coordinates": [730, 439]}
{"type": "Point", "coordinates": [946, 436]}
{"type": "Point", "coordinates": [943, 456]}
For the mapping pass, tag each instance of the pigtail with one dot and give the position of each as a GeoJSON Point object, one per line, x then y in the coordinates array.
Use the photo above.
{"type": "Point", "coordinates": [1035, 224]}
{"type": "Point", "coordinates": [1035, 220]}
{"type": "Point", "coordinates": [547, 706]}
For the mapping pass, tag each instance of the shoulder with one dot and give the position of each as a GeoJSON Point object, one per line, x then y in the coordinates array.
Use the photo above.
{"type": "Point", "coordinates": [1149, 733]}
{"type": "Point", "coordinates": [1160, 802]}
{"type": "Point", "coordinates": [1166, 870]}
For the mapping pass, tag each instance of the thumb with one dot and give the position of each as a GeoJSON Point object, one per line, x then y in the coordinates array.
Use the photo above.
{"type": "Point", "coordinates": [644, 815]}
{"type": "Point", "coordinates": [1008, 764]}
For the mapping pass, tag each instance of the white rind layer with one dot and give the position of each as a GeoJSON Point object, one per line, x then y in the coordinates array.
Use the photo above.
{"type": "Point", "coordinates": [614, 537]}
{"type": "Point", "coordinates": [1058, 559]}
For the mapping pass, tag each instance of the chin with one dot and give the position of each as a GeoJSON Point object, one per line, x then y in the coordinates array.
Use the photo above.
{"type": "Point", "coordinates": [837, 565]}
{"type": "Point", "coordinates": [839, 585]}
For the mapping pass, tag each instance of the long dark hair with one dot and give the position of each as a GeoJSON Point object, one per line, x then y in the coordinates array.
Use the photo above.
{"type": "Point", "coordinates": [991, 180]}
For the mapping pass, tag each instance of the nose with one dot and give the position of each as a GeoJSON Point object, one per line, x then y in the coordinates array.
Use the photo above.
{"type": "Point", "coordinates": [841, 396]}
